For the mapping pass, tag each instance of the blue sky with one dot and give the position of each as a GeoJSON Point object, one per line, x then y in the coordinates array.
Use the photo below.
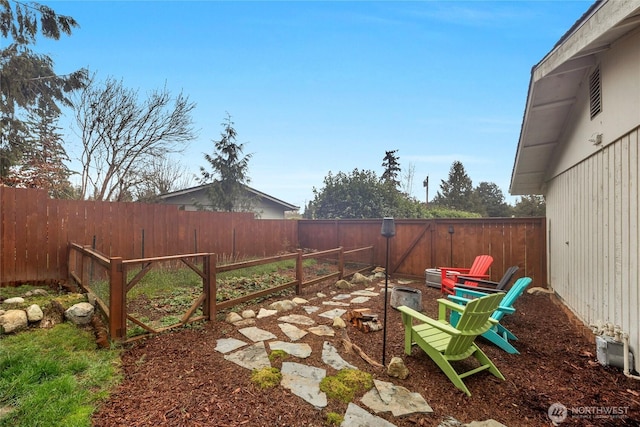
{"type": "Point", "coordinates": [315, 87]}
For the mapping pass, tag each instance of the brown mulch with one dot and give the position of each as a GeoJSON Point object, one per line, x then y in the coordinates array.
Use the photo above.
{"type": "Point", "coordinates": [178, 379]}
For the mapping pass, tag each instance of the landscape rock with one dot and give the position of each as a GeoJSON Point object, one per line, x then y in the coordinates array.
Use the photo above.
{"type": "Point", "coordinates": [339, 323]}
{"type": "Point", "coordinates": [14, 300]}
{"type": "Point", "coordinates": [300, 301]}
{"type": "Point", "coordinates": [397, 368]}
{"type": "Point", "coordinates": [284, 305]}
{"type": "Point", "coordinates": [248, 314]}
{"type": "Point", "coordinates": [80, 314]}
{"type": "Point", "coordinates": [40, 292]}
{"type": "Point", "coordinates": [343, 284]}
{"type": "Point", "coordinates": [34, 313]}
{"type": "Point", "coordinates": [360, 279]}
{"type": "Point", "coordinates": [13, 321]}
{"type": "Point", "coordinates": [232, 317]}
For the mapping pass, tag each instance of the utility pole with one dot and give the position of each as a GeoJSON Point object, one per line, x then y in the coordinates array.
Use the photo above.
{"type": "Point", "coordinates": [425, 184]}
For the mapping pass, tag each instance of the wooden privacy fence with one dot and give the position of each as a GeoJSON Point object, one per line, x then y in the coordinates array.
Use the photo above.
{"type": "Point", "coordinates": [108, 280]}
{"type": "Point", "coordinates": [36, 232]}
{"type": "Point", "coordinates": [430, 243]}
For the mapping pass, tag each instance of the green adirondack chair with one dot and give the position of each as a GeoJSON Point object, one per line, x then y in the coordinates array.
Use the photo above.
{"type": "Point", "coordinates": [498, 334]}
{"type": "Point", "coordinates": [444, 343]}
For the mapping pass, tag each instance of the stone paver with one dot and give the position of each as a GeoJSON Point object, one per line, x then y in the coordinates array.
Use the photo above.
{"type": "Point", "coordinates": [256, 334]}
{"type": "Point", "coordinates": [331, 357]}
{"type": "Point", "coordinates": [225, 345]}
{"type": "Point", "coordinates": [304, 382]}
{"type": "Point", "coordinates": [252, 357]}
{"type": "Point", "coordinates": [292, 332]}
{"type": "Point", "coordinates": [387, 397]}
{"type": "Point", "coordinates": [298, 319]}
{"type": "Point", "coordinates": [358, 417]}
{"type": "Point", "coordinates": [360, 300]}
{"type": "Point", "coordinates": [336, 303]}
{"type": "Point", "coordinates": [365, 293]}
{"type": "Point", "coordinates": [265, 313]}
{"type": "Point", "coordinates": [322, 331]}
{"type": "Point", "coordinates": [336, 312]}
{"type": "Point", "coordinates": [298, 350]}
{"type": "Point", "coordinates": [310, 308]}
{"type": "Point", "coordinates": [340, 297]}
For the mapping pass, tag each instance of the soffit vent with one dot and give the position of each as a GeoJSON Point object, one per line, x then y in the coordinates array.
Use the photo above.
{"type": "Point", "coordinates": [595, 93]}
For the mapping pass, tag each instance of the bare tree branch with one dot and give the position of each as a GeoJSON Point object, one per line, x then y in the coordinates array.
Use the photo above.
{"type": "Point", "coordinates": [122, 135]}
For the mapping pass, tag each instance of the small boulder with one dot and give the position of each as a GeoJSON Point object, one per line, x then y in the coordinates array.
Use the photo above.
{"type": "Point", "coordinates": [232, 317]}
{"type": "Point", "coordinates": [248, 314]}
{"type": "Point", "coordinates": [339, 323]}
{"type": "Point", "coordinates": [343, 284]}
{"type": "Point", "coordinates": [13, 321]}
{"type": "Point", "coordinates": [80, 314]}
{"type": "Point", "coordinates": [397, 368]}
{"type": "Point", "coordinates": [360, 279]}
{"type": "Point", "coordinates": [284, 305]}
{"type": "Point", "coordinates": [34, 313]}
{"type": "Point", "coordinates": [300, 301]}
{"type": "Point", "coordinates": [40, 292]}
{"type": "Point", "coordinates": [14, 300]}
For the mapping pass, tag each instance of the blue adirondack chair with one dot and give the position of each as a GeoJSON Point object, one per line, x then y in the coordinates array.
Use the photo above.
{"type": "Point", "coordinates": [498, 334]}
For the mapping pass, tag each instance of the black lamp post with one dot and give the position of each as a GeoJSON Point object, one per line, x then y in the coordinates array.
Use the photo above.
{"type": "Point", "coordinates": [388, 231]}
{"type": "Point", "coordinates": [451, 231]}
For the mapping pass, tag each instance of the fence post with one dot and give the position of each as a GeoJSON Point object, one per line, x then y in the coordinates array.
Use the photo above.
{"type": "Point", "coordinates": [117, 300]}
{"type": "Point", "coordinates": [210, 286]}
{"type": "Point", "coordinates": [299, 276]}
{"type": "Point", "coordinates": [341, 263]}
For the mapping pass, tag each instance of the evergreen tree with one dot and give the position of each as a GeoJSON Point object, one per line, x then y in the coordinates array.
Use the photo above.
{"type": "Point", "coordinates": [42, 164]}
{"type": "Point", "coordinates": [532, 205]}
{"type": "Point", "coordinates": [457, 191]}
{"type": "Point", "coordinates": [229, 172]}
{"type": "Point", "coordinates": [27, 79]}
{"type": "Point", "coordinates": [391, 167]}
{"type": "Point", "coordinates": [491, 200]}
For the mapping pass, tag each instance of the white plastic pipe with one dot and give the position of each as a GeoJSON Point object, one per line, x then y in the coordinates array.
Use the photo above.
{"type": "Point", "coordinates": [627, 372]}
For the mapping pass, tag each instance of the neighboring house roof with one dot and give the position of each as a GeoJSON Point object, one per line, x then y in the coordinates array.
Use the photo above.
{"type": "Point", "coordinates": [554, 85]}
{"type": "Point", "coordinates": [286, 206]}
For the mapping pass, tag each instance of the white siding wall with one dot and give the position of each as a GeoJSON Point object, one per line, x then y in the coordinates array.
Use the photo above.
{"type": "Point", "coordinates": [592, 214]}
{"type": "Point", "coordinates": [620, 82]}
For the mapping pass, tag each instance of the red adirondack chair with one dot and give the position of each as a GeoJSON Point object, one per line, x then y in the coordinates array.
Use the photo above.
{"type": "Point", "coordinates": [477, 270]}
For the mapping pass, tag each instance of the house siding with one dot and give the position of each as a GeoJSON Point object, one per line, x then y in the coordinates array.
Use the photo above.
{"type": "Point", "coordinates": [593, 235]}
{"type": "Point", "coordinates": [620, 82]}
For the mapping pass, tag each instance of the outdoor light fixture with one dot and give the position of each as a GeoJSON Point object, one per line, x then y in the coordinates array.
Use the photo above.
{"type": "Point", "coordinates": [388, 230]}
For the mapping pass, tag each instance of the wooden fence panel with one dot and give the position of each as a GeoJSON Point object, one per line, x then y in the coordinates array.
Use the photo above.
{"type": "Point", "coordinates": [36, 231]}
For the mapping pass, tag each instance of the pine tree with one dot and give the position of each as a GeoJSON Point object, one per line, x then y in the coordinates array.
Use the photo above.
{"type": "Point", "coordinates": [27, 79]}
{"type": "Point", "coordinates": [391, 167]}
{"type": "Point", "coordinates": [229, 172]}
{"type": "Point", "coordinates": [42, 164]}
{"type": "Point", "coordinates": [457, 191]}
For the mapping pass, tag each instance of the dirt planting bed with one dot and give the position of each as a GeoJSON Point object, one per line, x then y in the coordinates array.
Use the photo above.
{"type": "Point", "coordinates": [178, 379]}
